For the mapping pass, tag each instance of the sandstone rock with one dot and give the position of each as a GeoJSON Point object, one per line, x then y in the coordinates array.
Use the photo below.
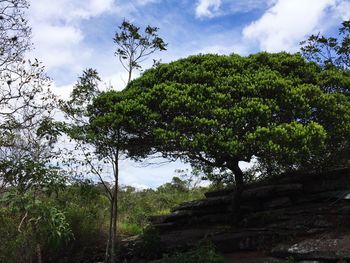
{"type": "Point", "coordinates": [301, 209]}
{"type": "Point", "coordinates": [212, 218]}
{"type": "Point", "coordinates": [272, 191]}
{"type": "Point", "coordinates": [221, 192]}
{"type": "Point", "coordinates": [312, 177]}
{"type": "Point", "coordinates": [162, 227]}
{"type": "Point", "coordinates": [157, 219]}
{"type": "Point", "coordinates": [205, 203]}
{"type": "Point", "coordinates": [325, 247]}
{"type": "Point", "coordinates": [277, 203]}
{"type": "Point", "coordinates": [247, 239]}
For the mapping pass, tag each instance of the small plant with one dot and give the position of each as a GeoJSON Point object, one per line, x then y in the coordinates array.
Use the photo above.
{"type": "Point", "coordinates": [203, 252]}
{"type": "Point", "coordinates": [129, 229]}
{"type": "Point", "coordinates": [150, 247]}
{"type": "Point", "coordinates": [290, 259]}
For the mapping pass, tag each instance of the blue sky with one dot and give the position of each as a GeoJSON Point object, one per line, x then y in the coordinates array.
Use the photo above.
{"type": "Point", "coordinates": [71, 35]}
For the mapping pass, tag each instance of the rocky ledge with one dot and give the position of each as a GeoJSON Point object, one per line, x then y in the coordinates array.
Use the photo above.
{"type": "Point", "coordinates": [304, 217]}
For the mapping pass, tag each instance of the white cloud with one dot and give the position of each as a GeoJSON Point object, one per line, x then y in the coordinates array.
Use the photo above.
{"type": "Point", "coordinates": [68, 10]}
{"type": "Point", "coordinates": [207, 8]}
{"type": "Point", "coordinates": [67, 35]}
{"type": "Point", "coordinates": [288, 22]}
{"type": "Point", "coordinates": [57, 32]}
{"type": "Point", "coordinates": [342, 10]}
{"type": "Point", "coordinates": [214, 8]}
{"type": "Point", "coordinates": [63, 92]}
{"type": "Point", "coordinates": [59, 45]}
{"type": "Point", "coordinates": [93, 8]}
{"type": "Point", "coordinates": [146, 2]}
{"type": "Point", "coordinates": [247, 5]}
{"type": "Point", "coordinates": [61, 39]}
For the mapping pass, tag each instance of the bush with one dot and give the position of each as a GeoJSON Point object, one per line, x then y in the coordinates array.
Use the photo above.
{"type": "Point", "coordinates": [129, 229]}
{"type": "Point", "coordinates": [14, 245]}
{"type": "Point", "coordinates": [150, 246]}
{"type": "Point", "coordinates": [203, 252]}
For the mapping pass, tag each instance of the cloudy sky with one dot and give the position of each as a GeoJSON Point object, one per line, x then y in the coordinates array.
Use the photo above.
{"type": "Point", "coordinates": [71, 35]}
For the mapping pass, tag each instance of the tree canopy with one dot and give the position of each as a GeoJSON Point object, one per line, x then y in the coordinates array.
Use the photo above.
{"type": "Point", "coordinates": [215, 111]}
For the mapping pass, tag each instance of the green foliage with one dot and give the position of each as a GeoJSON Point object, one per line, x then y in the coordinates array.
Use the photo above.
{"type": "Point", "coordinates": [71, 223]}
{"type": "Point", "coordinates": [14, 246]}
{"type": "Point", "coordinates": [38, 216]}
{"type": "Point", "coordinates": [117, 121]}
{"type": "Point", "coordinates": [83, 93]}
{"type": "Point", "coordinates": [203, 252]}
{"type": "Point", "coordinates": [87, 215]}
{"type": "Point", "coordinates": [134, 47]}
{"type": "Point", "coordinates": [56, 226]}
{"type": "Point", "coordinates": [154, 202]}
{"type": "Point", "coordinates": [129, 229]}
{"type": "Point", "coordinates": [150, 246]}
{"type": "Point", "coordinates": [214, 111]}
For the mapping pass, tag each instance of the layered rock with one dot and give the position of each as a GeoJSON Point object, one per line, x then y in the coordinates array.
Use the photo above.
{"type": "Point", "coordinates": [306, 217]}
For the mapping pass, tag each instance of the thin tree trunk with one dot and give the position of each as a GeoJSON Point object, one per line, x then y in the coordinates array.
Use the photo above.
{"type": "Point", "coordinates": [115, 219]}
{"type": "Point", "coordinates": [129, 76]}
{"type": "Point", "coordinates": [112, 247]}
{"type": "Point", "coordinates": [130, 71]}
{"type": "Point", "coordinates": [115, 210]}
{"type": "Point", "coordinates": [107, 254]}
{"type": "Point", "coordinates": [236, 197]}
{"type": "Point", "coordinates": [38, 253]}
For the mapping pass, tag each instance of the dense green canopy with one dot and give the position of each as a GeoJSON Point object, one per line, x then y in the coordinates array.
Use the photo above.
{"type": "Point", "coordinates": [215, 111]}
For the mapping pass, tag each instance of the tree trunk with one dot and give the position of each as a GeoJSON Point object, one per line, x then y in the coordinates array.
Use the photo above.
{"type": "Point", "coordinates": [112, 246]}
{"type": "Point", "coordinates": [115, 211]}
{"type": "Point", "coordinates": [130, 70]}
{"type": "Point", "coordinates": [107, 254]}
{"type": "Point", "coordinates": [237, 193]}
{"type": "Point", "coordinates": [129, 76]}
{"type": "Point", "coordinates": [38, 253]}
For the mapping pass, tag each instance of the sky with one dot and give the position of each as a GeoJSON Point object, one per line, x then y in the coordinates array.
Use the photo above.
{"type": "Point", "coordinates": [72, 35]}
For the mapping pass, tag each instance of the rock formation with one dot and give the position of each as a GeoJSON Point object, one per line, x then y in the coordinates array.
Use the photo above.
{"type": "Point", "coordinates": [300, 216]}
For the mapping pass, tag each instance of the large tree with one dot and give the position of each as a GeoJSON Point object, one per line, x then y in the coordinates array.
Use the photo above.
{"type": "Point", "coordinates": [215, 111]}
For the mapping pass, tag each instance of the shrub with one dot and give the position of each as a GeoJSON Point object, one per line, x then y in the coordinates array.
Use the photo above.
{"type": "Point", "coordinates": [203, 252]}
